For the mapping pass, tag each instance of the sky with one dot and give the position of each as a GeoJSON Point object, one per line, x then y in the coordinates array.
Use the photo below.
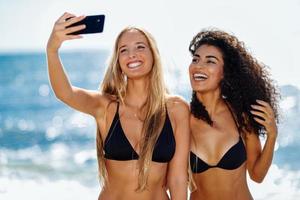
{"type": "Point", "coordinates": [269, 28]}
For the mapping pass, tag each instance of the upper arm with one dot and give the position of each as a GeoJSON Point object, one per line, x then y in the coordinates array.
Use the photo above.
{"type": "Point", "coordinates": [179, 163]}
{"type": "Point", "coordinates": [253, 148]}
{"type": "Point", "coordinates": [87, 101]}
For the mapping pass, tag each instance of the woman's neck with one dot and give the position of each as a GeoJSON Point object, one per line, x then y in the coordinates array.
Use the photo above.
{"type": "Point", "coordinates": [212, 101]}
{"type": "Point", "coordinates": [137, 93]}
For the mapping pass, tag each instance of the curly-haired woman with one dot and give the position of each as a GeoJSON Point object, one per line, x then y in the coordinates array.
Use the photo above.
{"type": "Point", "coordinates": [143, 133]}
{"type": "Point", "coordinates": [233, 102]}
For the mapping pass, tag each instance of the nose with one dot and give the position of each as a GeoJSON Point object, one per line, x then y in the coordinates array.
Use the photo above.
{"type": "Point", "coordinates": [198, 65]}
{"type": "Point", "coordinates": [132, 53]}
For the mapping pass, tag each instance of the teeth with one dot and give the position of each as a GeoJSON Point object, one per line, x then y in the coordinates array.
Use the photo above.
{"type": "Point", "coordinates": [199, 76]}
{"type": "Point", "coordinates": [134, 64]}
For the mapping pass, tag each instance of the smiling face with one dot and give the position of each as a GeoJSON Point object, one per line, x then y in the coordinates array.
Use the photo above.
{"type": "Point", "coordinates": [135, 55]}
{"type": "Point", "coordinates": [206, 69]}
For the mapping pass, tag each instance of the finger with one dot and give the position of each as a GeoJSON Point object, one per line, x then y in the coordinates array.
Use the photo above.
{"type": "Point", "coordinates": [64, 17]}
{"type": "Point", "coordinates": [260, 121]}
{"type": "Point", "coordinates": [261, 102]}
{"type": "Point", "coordinates": [259, 108]}
{"type": "Point", "coordinates": [263, 109]}
{"type": "Point", "coordinates": [73, 20]}
{"type": "Point", "coordinates": [266, 105]}
{"type": "Point", "coordinates": [73, 37]}
{"type": "Point", "coordinates": [260, 114]}
{"type": "Point", "coordinates": [74, 29]}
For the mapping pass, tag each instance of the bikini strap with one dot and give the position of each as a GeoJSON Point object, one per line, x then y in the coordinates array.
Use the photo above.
{"type": "Point", "coordinates": [233, 115]}
{"type": "Point", "coordinates": [118, 104]}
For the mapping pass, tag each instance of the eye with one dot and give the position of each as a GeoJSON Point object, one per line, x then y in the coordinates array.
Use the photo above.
{"type": "Point", "coordinates": [123, 50]}
{"type": "Point", "coordinates": [140, 47]}
{"type": "Point", "coordinates": [211, 61]}
{"type": "Point", "coordinates": [195, 60]}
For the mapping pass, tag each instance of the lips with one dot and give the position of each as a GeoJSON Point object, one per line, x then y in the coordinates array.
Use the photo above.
{"type": "Point", "coordinates": [135, 64]}
{"type": "Point", "coordinates": [200, 76]}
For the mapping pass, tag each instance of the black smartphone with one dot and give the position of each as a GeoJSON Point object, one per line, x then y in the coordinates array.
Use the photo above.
{"type": "Point", "coordinates": [93, 24]}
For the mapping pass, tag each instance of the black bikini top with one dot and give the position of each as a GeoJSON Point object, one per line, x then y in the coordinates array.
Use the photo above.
{"type": "Point", "coordinates": [118, 147]}
{"type": "Point", "coordinates": [232, 159]}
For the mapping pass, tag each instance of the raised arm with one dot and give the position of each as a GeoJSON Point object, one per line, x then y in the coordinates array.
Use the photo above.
{"type": "Point", "coordinates": [80, 99]}
{"type": "Point", "coordinates": [259, 161]}
{"type": "Point", "coordinates": [178, 167]}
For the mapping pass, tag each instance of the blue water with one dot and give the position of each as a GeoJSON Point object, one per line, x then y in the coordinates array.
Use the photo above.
{"type": "Point", "coordinates": [42, 137]}
{"type": "Point", "coordinates": [26, 95]}
{"type": "Point", "coordinates": [34, 124]}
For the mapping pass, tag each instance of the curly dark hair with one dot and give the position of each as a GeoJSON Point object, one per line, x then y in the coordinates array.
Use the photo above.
{"type": "Point", "coordinates": [245, 80]}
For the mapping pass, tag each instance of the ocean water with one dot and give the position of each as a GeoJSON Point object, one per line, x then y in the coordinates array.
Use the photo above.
{"type": "Point", "coordinates": [47, 150]}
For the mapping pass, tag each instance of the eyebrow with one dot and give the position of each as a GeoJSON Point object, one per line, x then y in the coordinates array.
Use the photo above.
{"type": "Point", "coordinates": [209, 56]}
{"type": "Point", "coordinates": [141, 43]}
{"type": "Point", "coordinates": [135, 44]}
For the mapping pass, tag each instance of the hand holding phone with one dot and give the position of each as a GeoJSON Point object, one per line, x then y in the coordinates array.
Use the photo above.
{"type": "Point", "coordinates": [93, 24]}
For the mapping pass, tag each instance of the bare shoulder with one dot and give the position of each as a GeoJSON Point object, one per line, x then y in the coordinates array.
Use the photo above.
{"type": "Point", "coordinates": [104, 102]}
{"type": "Point", "coordinates": [107, 98]}
{"type": "Point", "coordinates": [177, 105]}
{"type": "Point", "coordinates": [179, 113]}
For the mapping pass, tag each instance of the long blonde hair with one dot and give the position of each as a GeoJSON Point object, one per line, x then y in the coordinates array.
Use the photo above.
{"type": "Point", "coordinates": [114, 84]}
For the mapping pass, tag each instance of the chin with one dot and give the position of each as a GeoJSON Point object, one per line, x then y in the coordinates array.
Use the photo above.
{"type": "Point", "coordinates": [205, 87]}
{"type": "Point", "coordinates": [205, 90]}
{"type": "Point", "coordinates": [139, 73]}
{"type": "Point", "coordinates": [201, 91]}
{"type": "Point", "coordinates": [137, 76]}
{"type": "Point", "coordinates": [198, 88]}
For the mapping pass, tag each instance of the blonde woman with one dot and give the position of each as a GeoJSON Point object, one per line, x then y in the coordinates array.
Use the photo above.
{"type": "Point", "coordinates": [143, 133]}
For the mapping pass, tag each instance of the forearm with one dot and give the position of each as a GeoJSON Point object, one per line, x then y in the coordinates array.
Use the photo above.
{"type": "Point", "coordinates": [264, 162]}
{"type": "Point", "coordinates": [60, 33]}
{"type": "Point", "coordinates": [58, 78]}
{"type": "Point", "coordinates": [178, 189]}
